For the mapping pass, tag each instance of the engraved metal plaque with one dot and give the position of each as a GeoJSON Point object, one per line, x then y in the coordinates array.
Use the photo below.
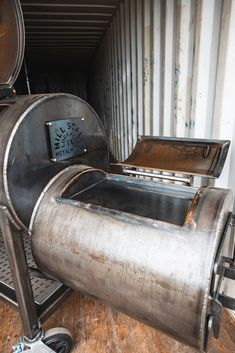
{"type": "Point", "coordinates": [66, 138]}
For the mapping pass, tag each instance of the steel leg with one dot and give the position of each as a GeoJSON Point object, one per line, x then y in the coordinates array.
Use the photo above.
{"type": "Point", "coordinates": [20, 276]}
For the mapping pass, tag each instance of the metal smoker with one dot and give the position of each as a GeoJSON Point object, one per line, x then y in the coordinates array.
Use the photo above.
{"type": "Point", "coordinates": [155, 250]}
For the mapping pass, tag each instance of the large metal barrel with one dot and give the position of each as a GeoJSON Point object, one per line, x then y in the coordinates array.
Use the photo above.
{"type": "Point", "coordinates": [155, 271]}
{"type": "Point", "coordinates": [41, 135]}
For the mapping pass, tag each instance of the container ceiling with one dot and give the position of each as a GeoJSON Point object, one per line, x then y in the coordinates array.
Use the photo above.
{"type": "Point", "coordinates": [65, 33]}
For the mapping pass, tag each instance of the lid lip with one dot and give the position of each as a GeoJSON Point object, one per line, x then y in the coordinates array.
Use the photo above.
{"type": "Point", "coordinates": [189, 158]}
{"type": "Point", "coordinates": [187, 140]}
{"type": "Point", "coordinates": [20, 46]}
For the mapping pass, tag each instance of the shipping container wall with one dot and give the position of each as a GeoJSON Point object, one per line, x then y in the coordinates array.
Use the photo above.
{"type": "Point", "coordinates": [54, 82]}
{"type": "Point", "coordinates": [168, 68]}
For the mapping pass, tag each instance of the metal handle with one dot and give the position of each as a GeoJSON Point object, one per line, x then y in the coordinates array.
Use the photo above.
{"type": "Point", "coordinates": [224, 268]}
{"type": "Point", "coordinates": [185, 180]}
{"type": "Point", "coordinates": [228, 271]}
{"type": "Point", "coordinates": [227, 302]}
{"type": "Point", "coordinates": [233, 227]}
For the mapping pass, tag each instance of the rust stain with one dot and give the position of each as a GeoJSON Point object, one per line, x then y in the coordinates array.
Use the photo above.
{"type": "Point", "coordinates": [101, 259]}
{"type": "Point", "coordinates": [190, 215]}
{"type": "Point", "coordinates": [190, 303]}
{"type": "Point", "coordinates": [164, 285]}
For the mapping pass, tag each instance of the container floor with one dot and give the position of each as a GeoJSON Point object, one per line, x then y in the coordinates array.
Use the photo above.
{"type": "Point", "coordinates": [99, 329]}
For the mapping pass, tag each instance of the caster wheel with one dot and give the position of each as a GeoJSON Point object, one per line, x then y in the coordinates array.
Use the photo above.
{"type": "Point", "coordinates": [59, 340]}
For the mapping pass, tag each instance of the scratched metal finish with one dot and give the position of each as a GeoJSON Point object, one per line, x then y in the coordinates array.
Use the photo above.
{"type": "Point", "coordinates": [154, 271]}
{"type": "Point", "coordinates": [25, 155]}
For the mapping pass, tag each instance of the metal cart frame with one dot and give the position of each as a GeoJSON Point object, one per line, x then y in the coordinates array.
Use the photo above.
{"type": "Point", "coordinates": [22, 297]}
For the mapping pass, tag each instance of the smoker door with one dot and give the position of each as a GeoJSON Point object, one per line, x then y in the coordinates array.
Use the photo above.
{"type": "Point", "coordinates": [12, 42]}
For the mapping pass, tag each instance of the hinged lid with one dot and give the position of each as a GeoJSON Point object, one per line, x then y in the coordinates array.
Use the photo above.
{"type": "Point", "coordinates": [12, 41]}
{"type": "Point", "coordinates": [179, 155]}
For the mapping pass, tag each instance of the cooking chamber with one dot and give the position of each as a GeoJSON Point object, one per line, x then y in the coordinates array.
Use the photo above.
{"type": "Point", "coordinates": [132, 196]}
{"type": "Point", "coordinates": [128, 260]}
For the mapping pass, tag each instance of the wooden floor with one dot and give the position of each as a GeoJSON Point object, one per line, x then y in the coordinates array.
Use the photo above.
{"type": "Point", "coordinates": [99, 329]}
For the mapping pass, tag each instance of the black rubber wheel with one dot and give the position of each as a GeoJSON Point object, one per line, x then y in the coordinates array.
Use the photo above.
{"type": "Point", "coordinates": [59, 340]}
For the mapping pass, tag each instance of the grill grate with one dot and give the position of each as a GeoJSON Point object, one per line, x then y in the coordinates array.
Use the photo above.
{"type": "Point", "coordinates": [43, 289]}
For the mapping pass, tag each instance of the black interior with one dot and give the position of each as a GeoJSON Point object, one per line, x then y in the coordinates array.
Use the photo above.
{"type": "Point", "coordinates": [61, 40]}
{"type": "Point", "coordinates": [132, 196]}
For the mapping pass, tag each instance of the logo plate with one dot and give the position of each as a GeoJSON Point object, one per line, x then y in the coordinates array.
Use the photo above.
{"type": "Point", "coordinates": [66, 138]}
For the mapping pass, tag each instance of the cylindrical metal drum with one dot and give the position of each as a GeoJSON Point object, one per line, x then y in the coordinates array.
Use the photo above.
{"type": "Point", "coordinates": [150, 269]}
{"type": "Point", "coordinates": [41, 135]}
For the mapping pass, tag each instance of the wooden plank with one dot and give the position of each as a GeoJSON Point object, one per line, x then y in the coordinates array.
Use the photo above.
{"type": "Point", "coordinates": [100, 329]}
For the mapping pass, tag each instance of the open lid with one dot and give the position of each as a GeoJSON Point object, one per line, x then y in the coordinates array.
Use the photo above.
{"type": "Point", "coordinates": [12, 39]}
{"type": "Point", "coordinates": [179, 155]}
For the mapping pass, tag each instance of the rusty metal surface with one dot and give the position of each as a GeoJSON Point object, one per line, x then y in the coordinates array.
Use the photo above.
{"type": "Point", "coordinates": [155, 271]}
{"type": "Point", "coordinates": [11, 41]}
{"type": "Point", "coordinates": [25, 157]}
{"type": "Point", "coordinates": [186, 156]}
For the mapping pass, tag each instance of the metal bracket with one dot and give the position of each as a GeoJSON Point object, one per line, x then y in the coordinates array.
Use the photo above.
{"type": "Point", "coordinates": [227, 302]}
{"type": "Point", "coordinates": [215, 309]}
{"type": "Point", "coordinates": [229, 273]}
{"type": "Point", "coordinates": [185, 180]}
{"type": "Point", "coordinates": [35, 272]}
{"type": "Point", "coordinates": [233, 220]}
{"type": "Point", "coordinates": [32, 346]}
{"type": "Point", "coordinates": [39, 347]}
{"type": "Point", "coordinates": [224, 268]}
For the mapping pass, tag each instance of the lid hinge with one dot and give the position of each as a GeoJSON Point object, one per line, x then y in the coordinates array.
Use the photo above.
{"type": "Point", "coordinates": [186, 179]}
{"type": "Point", "coordinates": [7, 93]}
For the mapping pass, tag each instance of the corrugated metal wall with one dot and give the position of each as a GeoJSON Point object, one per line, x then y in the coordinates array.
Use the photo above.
{"type": "Point", "coordinates": [168, 68]}
{"type": "Point", "coordinates": [64, 34]}
{"type": "Point", "coordinates": [67, 82]}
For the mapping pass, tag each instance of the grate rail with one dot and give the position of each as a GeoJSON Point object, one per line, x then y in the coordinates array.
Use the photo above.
{"type": "Point", "coordinates": [43, 288]}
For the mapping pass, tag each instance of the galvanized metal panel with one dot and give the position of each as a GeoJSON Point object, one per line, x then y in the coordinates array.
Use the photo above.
{"type": "Point", "coordinates": [166, 121]}
{"type": "Point", "coordinates": [185, 17]}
